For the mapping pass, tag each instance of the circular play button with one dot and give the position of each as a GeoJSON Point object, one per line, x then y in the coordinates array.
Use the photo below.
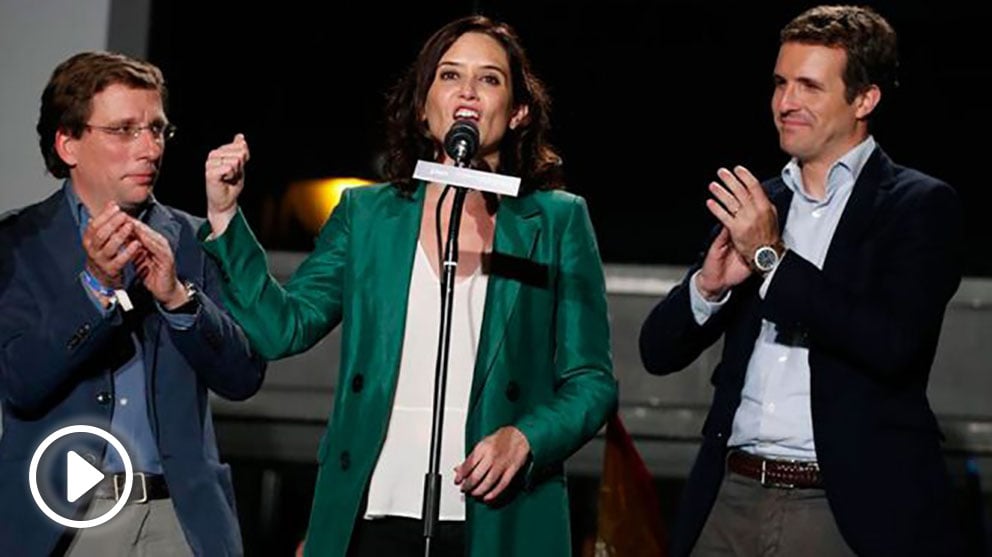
{"type": "Point", "coordinates": [80, 476]}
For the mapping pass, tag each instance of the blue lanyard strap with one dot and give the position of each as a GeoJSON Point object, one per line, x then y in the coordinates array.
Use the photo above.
{"type": "Point", "coordinates": [96, 285]}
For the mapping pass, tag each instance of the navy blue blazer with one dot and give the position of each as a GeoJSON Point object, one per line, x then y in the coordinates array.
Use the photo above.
{"type": "Point", "coordinates": [873, 316]}
{"type": "Point", "coordinates": [57, 356]}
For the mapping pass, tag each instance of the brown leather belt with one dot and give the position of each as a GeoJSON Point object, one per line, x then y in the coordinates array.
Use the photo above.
{"type": "Point", "coordinates": [146, 487]}
{"type": "Point", "coordinates": [785, 474]}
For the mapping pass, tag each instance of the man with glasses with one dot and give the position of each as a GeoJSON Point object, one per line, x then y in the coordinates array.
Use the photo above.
{"type": "Point", "coordinates": [111, 319]}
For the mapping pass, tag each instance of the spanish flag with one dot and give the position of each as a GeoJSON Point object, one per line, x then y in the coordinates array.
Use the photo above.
{"type": "Point", "coordinates": [629, 520]}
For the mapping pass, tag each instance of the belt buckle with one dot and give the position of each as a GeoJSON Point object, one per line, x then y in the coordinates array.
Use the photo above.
{"type": "Point", "coordinates": [766, 483]}
{"type": "Point", "coordinates": [144, 489]}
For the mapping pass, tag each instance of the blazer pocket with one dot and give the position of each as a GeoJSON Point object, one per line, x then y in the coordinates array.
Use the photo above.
{"type": "Point", "coordinates": [918, 420]}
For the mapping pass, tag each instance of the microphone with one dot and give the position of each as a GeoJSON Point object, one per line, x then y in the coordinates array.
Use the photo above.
{"type": "Point", "coordinates": [462, 141]}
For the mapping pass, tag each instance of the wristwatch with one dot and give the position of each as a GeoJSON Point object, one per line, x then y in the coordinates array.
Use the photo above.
{"type": "Point", "coordinates": [766, 257]}
{"type": "Point", "coordinates": [192, 303]}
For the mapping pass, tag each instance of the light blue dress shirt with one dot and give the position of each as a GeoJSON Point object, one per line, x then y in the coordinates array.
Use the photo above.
{"type": "Point", "coordinates": [774, 418]}
{"type": "Point", "coordinates": [130, 421]}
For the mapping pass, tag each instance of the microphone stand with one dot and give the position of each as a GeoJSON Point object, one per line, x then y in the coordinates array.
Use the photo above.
{"type": "Point", "coordinates": [432, 480]}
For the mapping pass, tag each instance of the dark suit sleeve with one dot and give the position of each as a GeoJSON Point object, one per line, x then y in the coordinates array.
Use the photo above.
{"type": "Point", "coordinates": [670, 337]}
{"type": "Point", "coordinates": [41, 350]}
{"type": "Point", "coordinates": [216, 347]}
{"type": "Point", "coordinates": [882, 329]}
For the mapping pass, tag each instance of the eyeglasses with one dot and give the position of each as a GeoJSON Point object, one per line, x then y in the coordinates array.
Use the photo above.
{"type": "Point", "coordinates": [160, 131]}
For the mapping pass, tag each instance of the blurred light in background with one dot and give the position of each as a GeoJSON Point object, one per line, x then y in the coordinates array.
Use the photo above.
{"type": "Point", "coordinates": [310, 202]}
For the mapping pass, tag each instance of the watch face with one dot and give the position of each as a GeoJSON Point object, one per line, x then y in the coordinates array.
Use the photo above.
{"type": "Point", "coordinates": [191, 289]}
{"type": "Point", "coordinates": [765, 258]}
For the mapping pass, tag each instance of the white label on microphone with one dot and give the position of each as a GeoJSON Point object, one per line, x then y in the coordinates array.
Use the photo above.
{"type": "Point", "coordinates": [467, 178]}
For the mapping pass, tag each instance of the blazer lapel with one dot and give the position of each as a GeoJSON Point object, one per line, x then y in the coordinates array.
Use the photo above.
{"type": "Point", "coordinates": [394, 243]}
{"type": "Point", "coordinates": [857, 214]}
{"type": "Point", "coordinates": [160, 220]}
{"type": "Point", "coordinates": [781, 197]}
{"type": "Point", "coordinates": [517, 231]}
{"type": "Point", "coordinates": [61, 239]}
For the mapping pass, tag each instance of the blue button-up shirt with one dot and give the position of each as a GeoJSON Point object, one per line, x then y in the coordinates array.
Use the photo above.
{"type": "Point", "coordinates": [130, 421]}
{"type": "Point", "coordinates": [774, 418]}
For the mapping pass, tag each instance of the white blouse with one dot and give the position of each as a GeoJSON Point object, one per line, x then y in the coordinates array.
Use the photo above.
{"type": "Point", "coordinates": [398, 478]}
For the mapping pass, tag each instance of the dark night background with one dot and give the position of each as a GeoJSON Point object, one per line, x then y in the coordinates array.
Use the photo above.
{"type": "Point", "coordinates": [651, 97]}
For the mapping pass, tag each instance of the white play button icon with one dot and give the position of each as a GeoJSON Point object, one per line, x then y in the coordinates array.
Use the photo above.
{"type": "Point", "coordinates": [80, 475]}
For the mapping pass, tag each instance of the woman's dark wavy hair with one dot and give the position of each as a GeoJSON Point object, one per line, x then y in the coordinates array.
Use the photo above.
{"type": "Point", "coordinates": [524, 151]}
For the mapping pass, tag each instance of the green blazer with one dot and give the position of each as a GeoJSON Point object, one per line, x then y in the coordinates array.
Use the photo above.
{"type": "Point", "coordinates": [543, 360]}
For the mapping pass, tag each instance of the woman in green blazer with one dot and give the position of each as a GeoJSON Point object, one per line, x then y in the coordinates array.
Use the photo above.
{"type": "Point", "coordinates": [540, 376]}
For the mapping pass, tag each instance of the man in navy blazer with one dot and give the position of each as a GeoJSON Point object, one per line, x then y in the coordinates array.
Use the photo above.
{"type": "Point", "coordinates": [110, 318]}
{"type": "Point", "coordinates": [829, 285]}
